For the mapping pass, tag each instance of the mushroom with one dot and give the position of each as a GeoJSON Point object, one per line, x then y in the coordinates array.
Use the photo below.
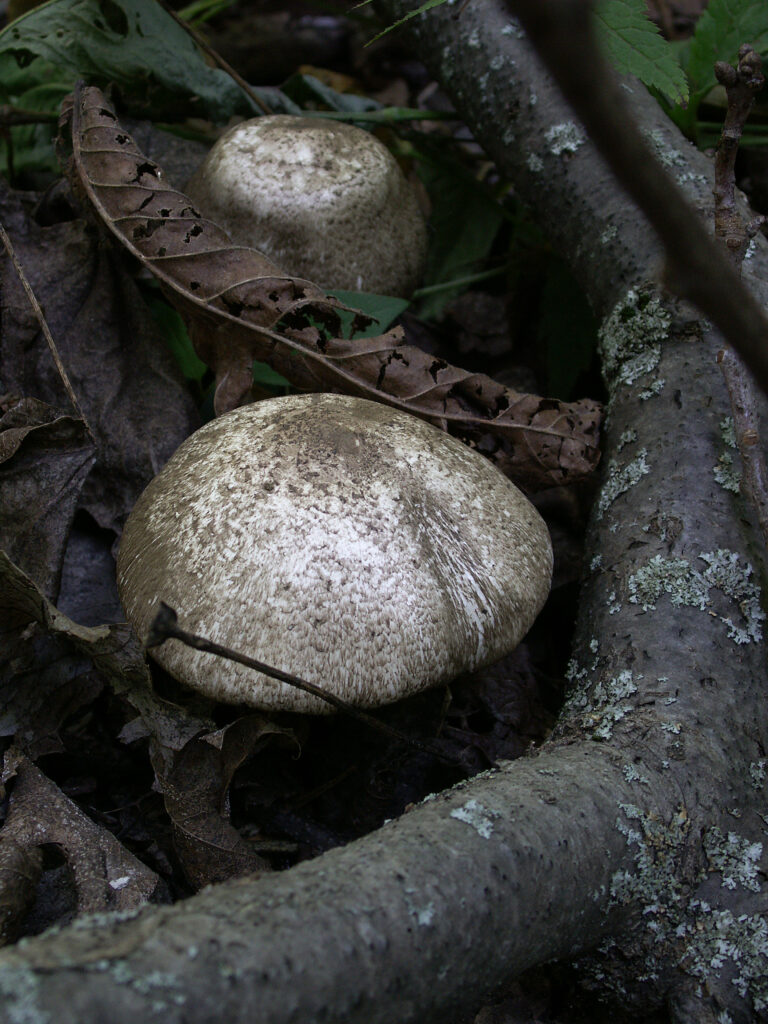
{"type": "Point", "coordinates": [339, 540]}
{"type": "Point", "coordinates": [324, 200]}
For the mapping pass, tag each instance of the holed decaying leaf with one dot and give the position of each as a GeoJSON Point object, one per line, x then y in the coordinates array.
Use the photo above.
{"type": "Point", "coordinates": [45, 457]}
{"type": "Point", "coordinates": [106, 875]}
{"type": "Point", "coordinates": [240, 307]}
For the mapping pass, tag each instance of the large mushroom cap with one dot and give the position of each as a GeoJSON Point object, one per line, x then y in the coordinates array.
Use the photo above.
{"type": "Point", "coordinates": [336, 539]}
{"type": "Point", "coordinates": [326, 201]}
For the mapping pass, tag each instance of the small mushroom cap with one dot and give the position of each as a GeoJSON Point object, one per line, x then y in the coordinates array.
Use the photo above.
{"type": "Point", "coordinates": [336, 539]}
{"type": "Point", "coordinates": [326, 201]}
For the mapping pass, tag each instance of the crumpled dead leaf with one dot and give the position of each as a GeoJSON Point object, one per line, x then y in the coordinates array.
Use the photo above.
{"type": "Point", "coordinates": [122, 372]}
{"type": "Point", "coordinates": [193, 760]}
{"type": "Point", "coordinates": [106, 875]}
{"type": "Point", "coordinates": [45, 457]}
{"type": "Point", "coordinates": [240, 307]}
{"type": "Point", "coordinates": [196, 798]}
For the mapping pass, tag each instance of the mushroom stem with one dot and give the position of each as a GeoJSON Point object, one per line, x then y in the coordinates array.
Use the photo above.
{"type": "Point", "coordinates": [165, 627]}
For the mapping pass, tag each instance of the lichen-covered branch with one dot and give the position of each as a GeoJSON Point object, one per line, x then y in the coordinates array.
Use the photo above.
{"type": "Point", "coordinates": [639, 825]}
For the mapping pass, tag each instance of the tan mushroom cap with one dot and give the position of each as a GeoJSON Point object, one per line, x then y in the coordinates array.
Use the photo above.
{"type": "Point", "coordinates": [324, 200]}
{"type": "Point", "coordinates": [336, 539]}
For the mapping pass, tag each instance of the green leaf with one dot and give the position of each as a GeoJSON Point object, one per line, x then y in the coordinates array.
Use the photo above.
{"type": "Point", "coordinates": [133, 44]}
{"type": "Point", "coordinates": [458, 246]}
{"type": "Point", "coordinates": [720, 31]}
{"type": "Point", "coordinates": [634, 46]}
{"type": "Point", "coordinates": [176, 337]}
{"type": "Point", "coordinates": [383, 308]}
{"type": "Point", "coordinates": [34, 162]}
{"type": "Point", "coordinates": [305, 89]}
{"type": "Point", "coordinates": [264, 374]}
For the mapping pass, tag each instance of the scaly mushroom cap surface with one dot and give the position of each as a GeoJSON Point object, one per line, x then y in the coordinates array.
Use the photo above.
{"type": "Point", "coordinates": [336, 539]}
{"type": "Point", "coordinates": [324, 200]}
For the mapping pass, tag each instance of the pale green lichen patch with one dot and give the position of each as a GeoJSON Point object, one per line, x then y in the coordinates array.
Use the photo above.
{"type": "Point", "coordinates": [535, 163]}
{"type": "Point", "coordinates": [479, 817]}
{"type": "Point", "coordinates": [725, 472]}
{"type": "Point", "coordinates": [631, 336]}
{"type": "Point", "coordinates": [674, 159]}
{"type": "Point", "coordinates": [758, 771]}
{"type": "Point", "coordinates": [673, 727]}
{"type": "Point", "coordinates": [620, 479]}
{"type": "Point", "coordinates": [656, 847]}
{"type": "Point", "coordinates": [688, 586]}
{"type": "Point", "coordinates": [718, 938]}
{"type": "Point", "coordinates": [513, 28]}
{"type": "Point", "coordinates": [163, 988]}
{"type": "Point", "coordinates": [423, 913]}
{"type": "Point", "coordinates": [652, 390]}
{"type": "Point", "coordinates": [702, 939]}
{"type": "Point", "coordinates": [20, 992]}
{"type": "Point", "coordinates": [566, 137]}
{"type": "Point", "coordinates": [633, 774]}
{"type": "Point", "coordinates": [728, 431]}
{"type": "Point", "coordinates": [628, 436]}
{"type": "Point", "coordinates": [735, 858]}
{"type": "Point", "coordinates": [600, 707]}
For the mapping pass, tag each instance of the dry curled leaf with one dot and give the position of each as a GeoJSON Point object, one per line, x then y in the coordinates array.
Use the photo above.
{"type": "Point", "coordinates": [106, 875]}
{"type": "Point", "coordinates": [239, 307]}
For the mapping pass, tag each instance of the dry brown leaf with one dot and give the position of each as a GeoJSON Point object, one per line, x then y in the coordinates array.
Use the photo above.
{"type": "Point", "coordinates": [195, 789]}
{"type": "Point", "coordinates": [239, 307]}
{"type": "Point", "coordinates": [106, 875]}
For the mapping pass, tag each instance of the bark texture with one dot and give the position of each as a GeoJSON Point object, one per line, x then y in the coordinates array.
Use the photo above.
{"type": "Point", "coordinates": [639, 825]}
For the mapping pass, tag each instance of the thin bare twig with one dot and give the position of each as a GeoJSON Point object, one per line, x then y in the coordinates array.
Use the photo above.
{"type": "Point", "coordinates": [8, 245]}
{"type": "Point", "coordinates": [741, 86]}
{"type": "Point", "coordinates": [165, 627]}
{"type": "Point", "coordinates": [697, 268]}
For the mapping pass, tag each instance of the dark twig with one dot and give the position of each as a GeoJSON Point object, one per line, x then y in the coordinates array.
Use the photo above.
{"type": "Point", "coordinates": [165, 627]}
{"type": "Point", "coordinates": [8, 245]}
{"type": "Point", "coordinates": [216, 57]}
{"type": "Point", "coordinates": [697, 268]}
{"type": "Point", "coordinates": [741, 85]}
{"type": "Point", "coordinates": [10, 115]}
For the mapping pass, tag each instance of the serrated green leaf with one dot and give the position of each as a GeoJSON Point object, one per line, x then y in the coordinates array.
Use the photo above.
{"type": "Point", "coordinates": [720, 31]}
{"type": "Point", "coordinates": [133, 44]}
{"type": "Point", "coordinates": [634, 46]}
